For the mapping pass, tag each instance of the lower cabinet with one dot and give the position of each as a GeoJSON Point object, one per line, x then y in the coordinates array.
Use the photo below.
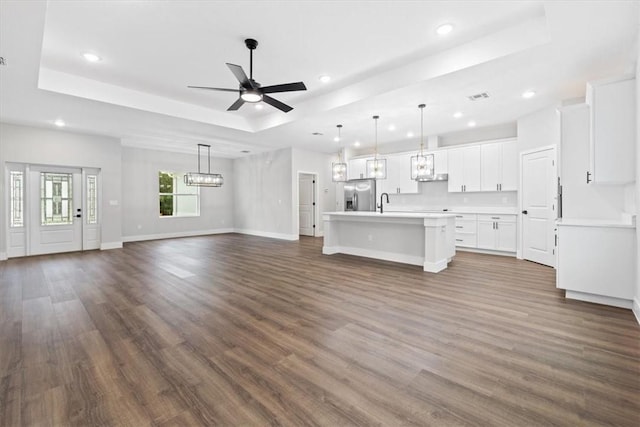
{"type": "Point", "coordinates": [466, 230]}
{"type": "Point", "coordinates": [497, 232]}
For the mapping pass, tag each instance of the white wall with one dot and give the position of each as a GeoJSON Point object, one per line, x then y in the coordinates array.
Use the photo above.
{"type": "Point", "coordinates": [22, 144]}
{"type": "Point", "coordinates": [141, 219]}
{"type": "Point", "coordinates": [319, 164]}
{"type": "Point", "coordinates": [539, 129]}
{"type": "Point", "coordinates": [263, 196]}
{"type": "Point", "coordinates": [636, 301]}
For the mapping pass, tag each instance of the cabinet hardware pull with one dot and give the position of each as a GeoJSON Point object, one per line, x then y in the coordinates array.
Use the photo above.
{"type": "Point", "coordinates": [495, 217]}
{"type": "Point", "coordinates": [459, 226]}
{"type": "Point", "coordinates": [556, 238]}
{"type": "Point", "coordinates": [496, 225]}
{"type": "Point", "coordinates": [589, 177]}
{"type": "Point", "coordinates": [459, 216]}
{"type": "Point", "coordinates": [500, 187]}
{"type": "Point", "coordinates": [459, 240]}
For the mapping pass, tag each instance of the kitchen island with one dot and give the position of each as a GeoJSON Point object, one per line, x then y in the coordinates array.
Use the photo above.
{"type": "Point", "coordinates": [425, 239]}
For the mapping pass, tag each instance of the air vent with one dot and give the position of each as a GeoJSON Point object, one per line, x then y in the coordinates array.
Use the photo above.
{"type": "Point", "coordinates": [478, 96]}
{"type": "Point", "coordinates": [317, 134]}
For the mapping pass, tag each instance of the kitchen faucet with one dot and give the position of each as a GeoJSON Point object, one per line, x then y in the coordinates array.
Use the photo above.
{"type": "Point", "coordinates": [380, 205]}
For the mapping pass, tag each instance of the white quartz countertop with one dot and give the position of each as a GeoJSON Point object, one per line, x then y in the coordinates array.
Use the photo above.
{"type": "Point", "coordinates": [470, 210]}
{"type": "Point", "coordinates": [393, 214]}
{"type": "Point", "coordinates": [585, 222]}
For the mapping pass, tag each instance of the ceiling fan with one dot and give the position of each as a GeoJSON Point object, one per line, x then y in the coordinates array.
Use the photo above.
{"type": "Point", "coordinates": [250, 90]}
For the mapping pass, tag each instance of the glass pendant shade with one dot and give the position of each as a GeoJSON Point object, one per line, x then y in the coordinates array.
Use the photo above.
{"type": "Point", "coordinates": [376, 168]}
{"type": "Point", "coordinates": [422, 167]}
{"type": "Point", "coordinates": [339, 169]}
{"type": "Point", "coordinates": [201, 179]}
{"type": "Point", "coordinates": [339, 172]}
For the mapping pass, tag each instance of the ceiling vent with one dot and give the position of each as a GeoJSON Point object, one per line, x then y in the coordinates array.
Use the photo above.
{"type": "Point", "coordinates": [478, 96]}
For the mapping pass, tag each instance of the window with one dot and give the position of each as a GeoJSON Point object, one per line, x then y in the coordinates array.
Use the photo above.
{"type": "Point", "coordinates": [92, 199]}
{"type": "Point", "coordinates": [177, 198]}
{"type": "Point", "coordinates": [56, 197]}
{"type": "Point", "coordinates": [16, 183]}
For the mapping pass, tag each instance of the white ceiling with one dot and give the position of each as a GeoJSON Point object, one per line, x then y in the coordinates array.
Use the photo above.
{"type": "Point", "coordinates": [384, 58]}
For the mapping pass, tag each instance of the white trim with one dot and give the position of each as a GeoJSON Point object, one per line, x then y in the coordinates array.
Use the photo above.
{"type": "Point", "coordinates": [485, 251]}
{"type": "Point", "coordinates": [599, 299]}
{"type": "Point", "coordinates": [268, 234]}
{"type": "Point", "coordinates": [368, 253]}
{"type": "Point", "coordinates": [141, 237]}
{"type": "Point", "coordinates": [110, 245]}
{"type": "Point", "coordinates": [3, 256]}
{"type": "Point", "coordinates": [319, 233]}
{"type": "Point", "coordinates": [636, 309]}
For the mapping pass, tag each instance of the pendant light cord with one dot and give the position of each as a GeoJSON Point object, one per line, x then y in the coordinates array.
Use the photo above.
{"type": "Point", "coordinates": [375, 154]}
{"type": "Point", "coordinates": [421, 107]}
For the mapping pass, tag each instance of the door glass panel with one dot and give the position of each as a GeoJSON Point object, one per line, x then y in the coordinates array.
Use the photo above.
{"type": "Point", "coordinates": [56, 197]}
{"type": "Point", "coordinates": [92, 199]}
{"type": "Point", "coordinates": [16, 183]}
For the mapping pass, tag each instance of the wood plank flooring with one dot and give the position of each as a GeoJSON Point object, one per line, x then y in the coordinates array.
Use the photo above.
{"type": "Point", "coordinates": [240, 330]}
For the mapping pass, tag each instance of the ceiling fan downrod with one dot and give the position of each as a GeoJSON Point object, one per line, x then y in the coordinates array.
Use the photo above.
{"type": "Point", "coordinates": [251, 45]}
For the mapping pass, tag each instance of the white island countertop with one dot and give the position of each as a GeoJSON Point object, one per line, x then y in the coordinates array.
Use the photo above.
{"type": "Point", "coordinates": [377, 214]}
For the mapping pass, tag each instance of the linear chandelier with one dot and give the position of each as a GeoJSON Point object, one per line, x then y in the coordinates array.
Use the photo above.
{"type": "Point", "coordinates": [201, 179]}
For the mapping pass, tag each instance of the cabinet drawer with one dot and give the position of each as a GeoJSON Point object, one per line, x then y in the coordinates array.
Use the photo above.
{"type": "Point", "coordinates": [500, 218]}
{"type": "Point", "coordinates": [460, 216]}
{"type": "Point", "coordinates": [467, 240]}
{"type": "Point", "coordinates": [466, 225]}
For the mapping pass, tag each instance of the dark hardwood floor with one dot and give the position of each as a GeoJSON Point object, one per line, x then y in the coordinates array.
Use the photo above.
{"type": "Point", "coordinates": [240, 330]}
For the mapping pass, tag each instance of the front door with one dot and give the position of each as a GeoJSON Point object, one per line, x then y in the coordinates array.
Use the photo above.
{"type": "Point", "coordinates": [55, 213]}
{"type": "Point", "coordinates": [538, 206]}
{"type": "Point", "coordinates": [306, 205]}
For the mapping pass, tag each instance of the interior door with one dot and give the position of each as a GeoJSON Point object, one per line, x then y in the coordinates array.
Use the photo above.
{"type": "Point", "coordinates": [55, 210]}
{"type": "Point", "coordinates": [306, 204]}
{"type": "Point", "coordinates": [538, 206]}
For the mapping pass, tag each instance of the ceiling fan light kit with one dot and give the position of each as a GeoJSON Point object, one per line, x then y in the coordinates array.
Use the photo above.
{"type": "Point", "coordinates": [250, 90]}
{"type": "Point", "coordinates": [201, 179]}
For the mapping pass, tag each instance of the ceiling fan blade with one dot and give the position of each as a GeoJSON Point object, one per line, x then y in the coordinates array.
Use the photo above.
{"type": "Point", "coordinates": [240, 75]}
{"type": "Point", "coordinates": [275, 103]}
{"type": "Point", "coordinates": [236, 105]}
{"type": "Point", "coordinates": [287, 87]}
{"type": "Point", "coordinates": [214, 88]}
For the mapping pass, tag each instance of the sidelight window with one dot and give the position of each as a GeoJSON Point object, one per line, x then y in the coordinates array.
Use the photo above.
{"type": "Point", "coordinates": [16, 183]}
{"type": "Point", "coordinates": [92, 199]}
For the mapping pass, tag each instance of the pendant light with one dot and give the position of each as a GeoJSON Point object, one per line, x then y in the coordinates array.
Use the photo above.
{"type": "Point", "coordinates": [376, 168]}
{"type": "Point", "coordinates": [422, 164]}
{"type": "Point", "coordinates": [201, 179]}
{"type": "Point", "coordinates": [339, 170]}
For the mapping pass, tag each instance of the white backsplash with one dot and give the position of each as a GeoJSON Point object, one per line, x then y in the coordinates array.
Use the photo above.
{"type": "Point", "coordinates": [435, 195]}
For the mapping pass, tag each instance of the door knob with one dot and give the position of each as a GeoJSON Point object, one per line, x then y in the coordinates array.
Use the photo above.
{"type": "Point", "coordinates": [525, 212]}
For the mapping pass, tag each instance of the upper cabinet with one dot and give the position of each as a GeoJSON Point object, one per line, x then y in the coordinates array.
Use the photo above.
{"type": "Point", "coordinates": [398, 175]}
{"type": "Point", "coordinates": [357, 168]}
{"type": "Point", "coordinates": [464, 169]}
{"type": "Point", "coordinates": [613, 127]}
{"type": "Point", "coordinates": [498, 166]}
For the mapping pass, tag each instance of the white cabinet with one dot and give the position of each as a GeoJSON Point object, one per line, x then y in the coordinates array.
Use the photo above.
{"type": "Point", "coordinates": [398, 175]}
{"type": "Point", "coordinates": [464, 169]}
{"type": "Point", "coordinates": [498, 165]}
{"type": "Point", "coordinates": [358, 168]}
{"type": "Point", "coordinates": [440, 161]}
{"type": "Point", "coordinates": [466, 230]}
{"type": "Point", "coordinates": [613, 130]}
{"type": "Point", "coordinates": [597, 263]}
{"type": "Point", "coordinates": [497, 232]}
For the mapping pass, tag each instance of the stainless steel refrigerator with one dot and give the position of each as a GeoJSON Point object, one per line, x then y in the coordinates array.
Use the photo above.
{"type": "Point", "coordinates": [360, 195]}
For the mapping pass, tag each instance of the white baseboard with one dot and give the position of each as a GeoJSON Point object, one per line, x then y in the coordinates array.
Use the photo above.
{"type": "Point", "coordinates": [636, 308]}
{"type": "Point", "coordinates": [485, 251]}
{"type": "Point", "coordinates": [268, 234]}
{"type": "Point", "coordinates": [319, 233]}
{"type": "Point", "coordinates": [159, 236]}
{"type": "Point", "coordinates": [110, 245]}
{"type": "Point", "coordinates": [599, 299]}
{"type": "Point", "coordinates": [3, 256]}
{"type": "Point", "coordinates": [368, 253]}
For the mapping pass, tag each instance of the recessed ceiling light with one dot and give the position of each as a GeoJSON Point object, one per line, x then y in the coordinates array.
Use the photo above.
{"type": "Point", "coordinates": [324, 78]}
{"type": "Point", "coordinates": [409, 134]}
{"type": "Point", "coordinates": [91, 57]}
{"type": "Point", "coordinates": [444, 29]}
{"type": "Point", "coordinates": [259, 107]}
{"type": "Point", "coordinates": [357, 144]}
{"type": "Point", "coordinates": [59, 122]}
{"type": "Point", "coordinates": [392, 127]}
{"type": "Point", "coordinates": [528, 94]}
{"type": "Point", "coordinates": [457, 114]}
{"type": "Point", "coordinates": [471, 124]}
